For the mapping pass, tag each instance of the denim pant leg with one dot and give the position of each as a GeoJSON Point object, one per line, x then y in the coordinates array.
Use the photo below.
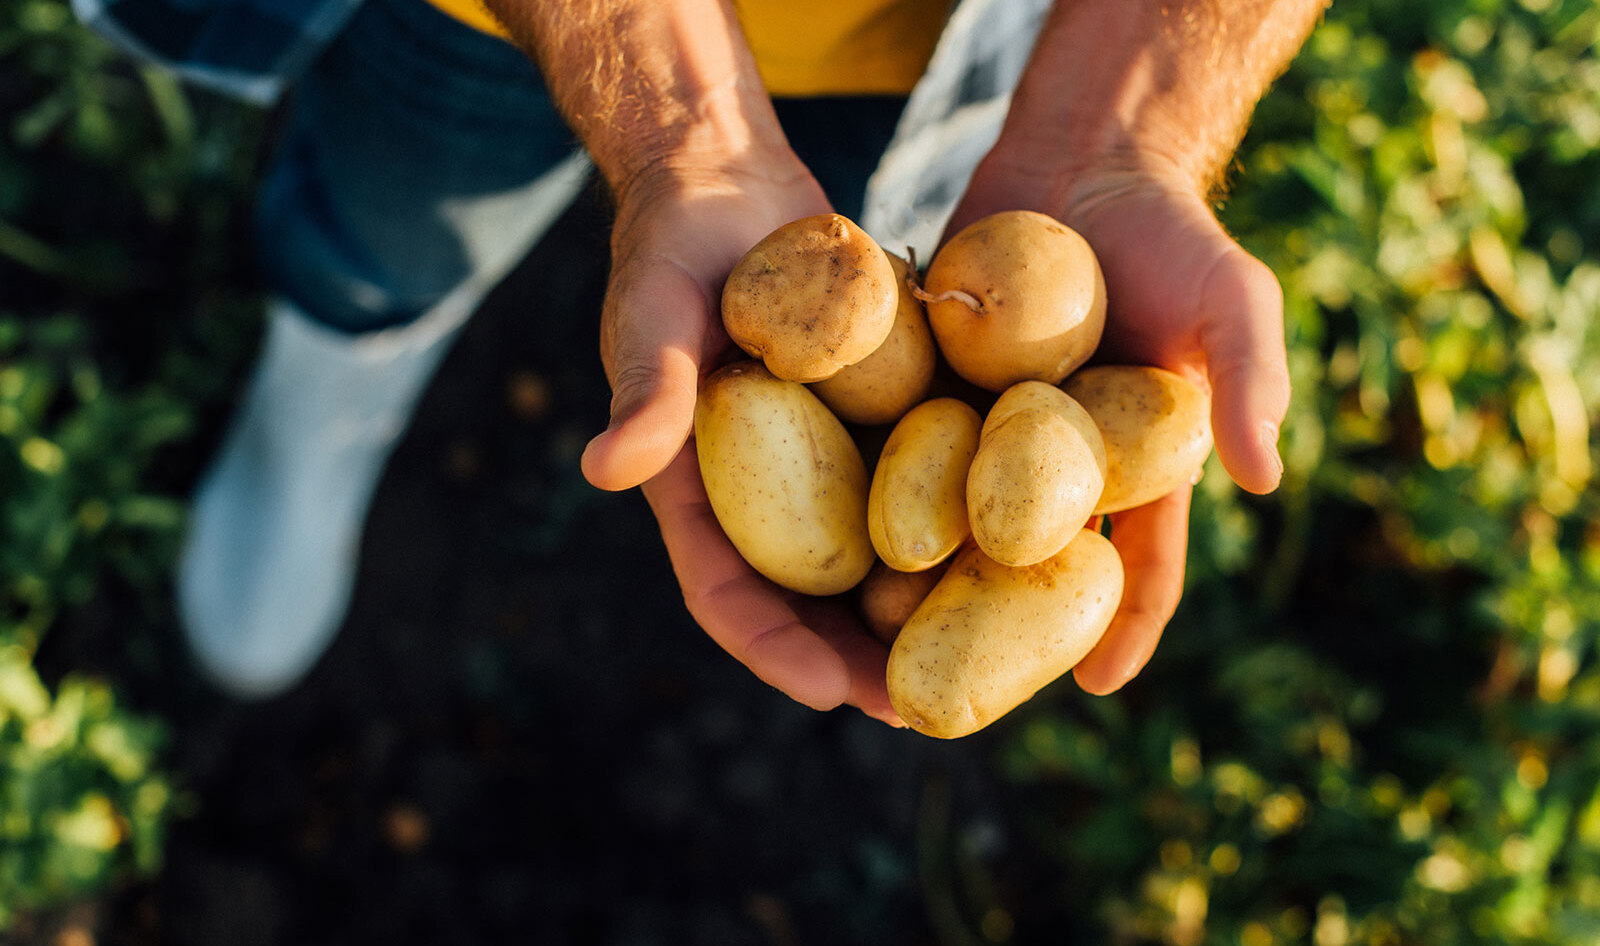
{"type": "Point", "coordinates": [411, 162]}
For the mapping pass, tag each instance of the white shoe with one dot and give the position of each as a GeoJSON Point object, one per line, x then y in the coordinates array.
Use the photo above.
{"type": "Point", "coordinates": [270, 562]}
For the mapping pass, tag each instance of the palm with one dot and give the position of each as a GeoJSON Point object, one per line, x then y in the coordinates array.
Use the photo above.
{"type": "Point", "coordinates": [661, 329]}
{"type": "Point", "coordinates": [1182, 296]}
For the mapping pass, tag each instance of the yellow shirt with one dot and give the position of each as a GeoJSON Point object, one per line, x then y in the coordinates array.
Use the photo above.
{"type": "Point", "coordinates": [823, 47]}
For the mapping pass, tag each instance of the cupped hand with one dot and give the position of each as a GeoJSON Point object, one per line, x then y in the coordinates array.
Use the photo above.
{"type": "Point", "coordinates": [678, 233]}
{"type": "Point", "coordinates": [1181, 295]}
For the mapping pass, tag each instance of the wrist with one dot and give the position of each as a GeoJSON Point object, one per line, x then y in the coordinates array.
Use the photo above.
{"type": "Point", "coordinates": [704, 212]}
{"type": "Point", "coordinates": [1073, 187]}
{"type": "Point", "coordinates": [724, 131]}
{"type": "Point", "coordinates": [772, 181]}
{"type": "Point", "coordinates": [1143, 94]}
{"type": "Point", "coordinates": [653, 88]}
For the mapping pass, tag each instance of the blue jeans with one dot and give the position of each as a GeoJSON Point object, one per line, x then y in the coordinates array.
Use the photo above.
{"type": "Point", "coordinates": [410, 151]}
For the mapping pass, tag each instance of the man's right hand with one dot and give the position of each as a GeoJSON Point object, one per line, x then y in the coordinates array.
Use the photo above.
{"type": "Point", "coordinates": [667, 99]}
{"type": "Point", "coordinates": [677, 236]}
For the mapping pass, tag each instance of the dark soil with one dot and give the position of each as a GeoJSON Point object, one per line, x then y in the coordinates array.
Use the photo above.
{"type": "Point", "coordinates": [521, 736]}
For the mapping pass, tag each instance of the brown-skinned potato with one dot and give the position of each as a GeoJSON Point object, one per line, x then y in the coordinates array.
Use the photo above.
{"type": "Point", "coordinates": [988, 637]}
{"type": "Point", "coordinates": [813, 296]}
{"type": "Point", "coordinates": [917, 506]}
{"type": "Point", "coordinates": [1016, 296]}
{"type": "Point", "coordinates": [1156, 425]}
{"type": "Point", "coordinates": [785, 480]}
{"type": "Point", "coordinates": [889, 597]}
{"type": "Point", "coordinates": [882, 387]}
{"type": "Point", "coordinates": [1038, 472]}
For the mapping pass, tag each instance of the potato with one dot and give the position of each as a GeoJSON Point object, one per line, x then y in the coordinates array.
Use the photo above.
{"type": "Point", "coordinates": [1156, 426]}
{"type": "Point", "coordinates": [784, 479]}
{"type": "Point", "coordinates": [917, 507]}
{"type": "Point", "coordinates": [888, 597]}
{"type": "Point", "coordinates": [882, 387]}
{"type": "Point", "coordinates": [1037, 475]}
{"type": "Point", "coordinates": [813, 296]}
{"type": "Point", "coordinates": [1018, 296]}
{"type": "Point", "coordinates": [989, 637]}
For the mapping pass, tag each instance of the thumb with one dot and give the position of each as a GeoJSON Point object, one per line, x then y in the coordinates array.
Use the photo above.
{"type": "Point", "coordinates": [655, 328]}
{"type": "Point", "coordinates": [1246, 362]}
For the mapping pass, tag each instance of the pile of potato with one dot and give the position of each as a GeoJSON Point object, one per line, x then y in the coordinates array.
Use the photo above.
{"type": "Point", "coordinates": [969, 537]}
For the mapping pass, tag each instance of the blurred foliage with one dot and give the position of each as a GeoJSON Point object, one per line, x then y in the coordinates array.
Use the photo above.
{"type": "Point", "coordinates": [1372, 721]}
{"type": "Point", "coordinates": [81, 797]}
{"type": "Point", "coordinates": [79, 793]}
{"type": "Point", "coordinates": [118, 191]}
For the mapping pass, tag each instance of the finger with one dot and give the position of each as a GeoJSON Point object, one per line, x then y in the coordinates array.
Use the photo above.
{"type": "Point", "coordinates": [656, 326]}
{"type": "Point", "coordinates": [865, 656]}
{"type": "Point", "coordinates": [1152, 541]}
{"type": "Point", "coordinates": [1247, 366]}
{"type": "Point", "coordinates": [744, 613]}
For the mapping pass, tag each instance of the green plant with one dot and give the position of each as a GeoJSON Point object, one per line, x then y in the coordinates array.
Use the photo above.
{"type": "Point", "coordinates": [117, 191]}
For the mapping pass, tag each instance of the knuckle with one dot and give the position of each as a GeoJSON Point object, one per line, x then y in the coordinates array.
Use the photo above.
{"type": "Point", "coordinates": [631, 382]}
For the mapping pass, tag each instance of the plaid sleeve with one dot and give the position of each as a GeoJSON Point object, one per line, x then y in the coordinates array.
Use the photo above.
{"type": "Point", "coordinates": [246, 48]}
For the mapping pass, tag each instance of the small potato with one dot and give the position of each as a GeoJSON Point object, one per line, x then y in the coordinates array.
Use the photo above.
{"type": "Point", "coordinates": [784, 478]}
{"type": "Point", "coordinates": [1016, 296]}
{"type": "Point", "coordinates": [989, 637]}
{"type": "Point", "coordinates": [882, 387]}
{"type": "Point", "coordinates": [1037, 475]}
{"type": "Point", "coordinates": [888, 597]}
{"type": "Point", "coordinates": [1156, 426]}
{"type": "Point", "coordinates": [917, 507]}
{"type": "Point", "coordinates": [813, 296]}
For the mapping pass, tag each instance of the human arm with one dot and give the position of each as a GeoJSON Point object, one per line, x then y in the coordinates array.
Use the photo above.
{"type": "Point", "coordinates": [666, 97]}
{"type": "Point", "coordinates": [1121, 127]}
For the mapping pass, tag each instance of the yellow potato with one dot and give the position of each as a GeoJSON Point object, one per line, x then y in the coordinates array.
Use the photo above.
{"type": "Point", "coordinates": [917, 507]}
{"type": "Point", "coordinates": [989, 637]}
{"type": "Point", "coordinates": [888, 597]}
{"type": "Point", "coordinates": [813, 296]}
{"type": "Point", "coordinates": [1037, 475]}
{"type": "Point", "coordinates": [880, 388]}
{"type": "Point", "coordinates": [784, 478]}
{"type": "Point", "coordinates": [1019, 296]}
{"type": "Point", "coordinates": [1156, 426]}
{"type": "Point", "coordinates": [1032, 396]}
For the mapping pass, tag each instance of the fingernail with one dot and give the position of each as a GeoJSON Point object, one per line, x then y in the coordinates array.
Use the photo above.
{"type": "Point", "coordinates": [1269, 441]}
{"type": "Point", "coordinates": [1199, 472]}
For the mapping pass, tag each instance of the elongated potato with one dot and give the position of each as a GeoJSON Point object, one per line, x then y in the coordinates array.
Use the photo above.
{"type": "Point", "coordinates": [989, 637]}
{"type": "Point", "coordinates": [1017, 296]}
{"type": "Point", "coordinates": [1034, 396]}
{"type": "Point", "coordinates": [882, 387]}
{"type": "Point", "coordinates": [1037, 475]}
{"type": "Point", "coordinates": [889, 597]}
{"type": "Point", "coordinates": [917, 507]}
{"type": "Point", "coordinates": [813, 296]}
{"type": "Point", "coordinates": [784, 478]}
{"type": "Point", "coordinates": [1156, 426]}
